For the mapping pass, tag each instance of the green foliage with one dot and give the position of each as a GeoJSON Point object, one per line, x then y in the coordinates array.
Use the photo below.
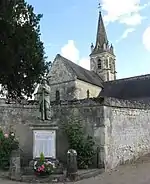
{"type": "Point", "coordinates": [7, 144]}
{"type": "Point", "coordinates": [21, 50]}
{"type": "Point", "coordinates": [42, 158]}
{"type": "Point", "coordinates": [84, 145]}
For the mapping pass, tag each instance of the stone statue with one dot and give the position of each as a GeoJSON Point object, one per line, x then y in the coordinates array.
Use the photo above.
{"type": "Point", "coordinates": [44, 99]}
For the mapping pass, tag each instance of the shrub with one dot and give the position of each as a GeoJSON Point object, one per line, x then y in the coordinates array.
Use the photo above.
{"type": "Point", "coordinates": [84, 145]}
{"type": "Point", "coordinates": [8, 143]}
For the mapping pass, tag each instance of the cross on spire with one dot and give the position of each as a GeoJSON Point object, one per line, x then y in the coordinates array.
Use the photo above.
{"type": "Point", "coordinates": [99, 7]}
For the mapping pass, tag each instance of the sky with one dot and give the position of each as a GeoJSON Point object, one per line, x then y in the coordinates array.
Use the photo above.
{"type": "Point", "coordinates": [68, 27]}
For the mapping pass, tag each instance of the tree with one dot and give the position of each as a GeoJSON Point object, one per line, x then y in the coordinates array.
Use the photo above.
{"type": "Point", "coordinates": [22, 56]}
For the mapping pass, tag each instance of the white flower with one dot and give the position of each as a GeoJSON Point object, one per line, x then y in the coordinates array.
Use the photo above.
{"type": "Point", "coordinates": [12, 134]}
{"type": "Point", "coordinates": [35, 164]}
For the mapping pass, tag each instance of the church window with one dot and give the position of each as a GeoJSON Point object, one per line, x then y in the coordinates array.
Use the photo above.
{"type": "Point", "coordinates": [110, 63]}
{"type": "Point", "coordinates": [88, 93]}
{"type": "Point", "coordinates": [106, 63]}
{"type": "Point", "coordinates": [107, 76]}
{"type": "Point", "coordinates": [57, 96]}
{"type": "Point", "coordinates": [99, 63]}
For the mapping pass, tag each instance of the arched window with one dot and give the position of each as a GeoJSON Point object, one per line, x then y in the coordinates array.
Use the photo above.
{"type": "Point", "coordinates": [107, 63]}
{"type": "Point", "coordinates": [57, 96]}
{"type": "Point", "coordinates": [110, 64]}
{"type": "Point", "coordinates": [99, 64]}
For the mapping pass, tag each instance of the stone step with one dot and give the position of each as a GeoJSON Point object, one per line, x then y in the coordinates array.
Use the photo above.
{"type": "Point", "coordinates": [38, 179]}
{"type": "Point", "coordinates": [90, 173]}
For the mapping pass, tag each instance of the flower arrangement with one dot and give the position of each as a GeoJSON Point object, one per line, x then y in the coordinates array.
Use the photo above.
{"type": "Point", "coordinates": [43, 166]}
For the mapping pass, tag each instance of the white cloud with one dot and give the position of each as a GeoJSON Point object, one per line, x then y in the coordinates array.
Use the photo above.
{"type": "Point", "coordinates": [85, 63]}
{"type": "Point", "coordinates": [71, 52]}
{"type": "Point", "coordinates": [126, 12]}
{"type": "Point", "coordinates": [135, 19]}
{"type": "Point", "coordinates": [146, 38]}
{"type": "Point", "coordinates": [126, 33]}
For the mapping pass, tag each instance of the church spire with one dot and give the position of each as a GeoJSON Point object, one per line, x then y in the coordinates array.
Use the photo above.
{"type": "Point", "coordinates": [101, 38]}
{"type": "Point", "coordinates": [102, 57]}
{"type": "Point", "coordinates": [101, 33]}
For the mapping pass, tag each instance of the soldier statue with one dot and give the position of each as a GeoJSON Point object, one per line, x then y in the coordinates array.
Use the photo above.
{"type": "Point", "coordinates": [44, 99]}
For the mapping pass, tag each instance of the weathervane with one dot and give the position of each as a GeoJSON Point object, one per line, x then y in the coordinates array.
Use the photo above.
{"type": "Point", "coordinates": [99, 6]}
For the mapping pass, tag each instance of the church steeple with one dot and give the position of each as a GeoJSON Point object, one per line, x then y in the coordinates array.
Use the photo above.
{"type": "Point", "coordinates": [102, 58]}
{"type": "Point", "coordinates": [101, 38]}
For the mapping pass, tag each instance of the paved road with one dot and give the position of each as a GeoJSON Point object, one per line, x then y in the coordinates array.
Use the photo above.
{"type": "Point", "coordinates": [138, 173]}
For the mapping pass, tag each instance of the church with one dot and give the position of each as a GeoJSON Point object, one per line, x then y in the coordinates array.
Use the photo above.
{"type": "Point", "coordinates": [69, 81]}
{"type": "Point", "coordinates": [116, 111]}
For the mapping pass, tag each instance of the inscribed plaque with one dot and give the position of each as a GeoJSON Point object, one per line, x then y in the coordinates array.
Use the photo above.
{"type": "Point", "coordinates": [44, 141]}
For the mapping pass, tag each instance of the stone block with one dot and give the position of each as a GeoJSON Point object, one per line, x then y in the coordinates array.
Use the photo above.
{"type": "Point", "coordinates": [15, 168]}
{"type": "Point", "coordinates": [72, 169]}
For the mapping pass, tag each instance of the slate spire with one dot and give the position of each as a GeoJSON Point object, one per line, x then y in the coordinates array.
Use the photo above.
{"type": "Point", "coordinates": [101, 33]}
{"type": "Point", "coordinates": [101, 38]}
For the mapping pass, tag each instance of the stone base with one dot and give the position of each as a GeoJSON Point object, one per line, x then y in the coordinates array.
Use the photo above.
{"type": "Point", "coordinates": [30, 177]}
{"type": "Point", "coordinates": [44, 126]}
{"type": "Point", "coordinates": [48, 179]}
{"type": "Point", "coordinates": [73, 176]}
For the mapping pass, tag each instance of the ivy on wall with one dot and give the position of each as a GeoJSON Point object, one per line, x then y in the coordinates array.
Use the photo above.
{"type": "Point", "coordinates": [83, 144]}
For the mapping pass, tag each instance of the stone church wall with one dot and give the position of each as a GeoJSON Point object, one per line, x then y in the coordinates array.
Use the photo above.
{"type": "Point", "coordinates": [82, 87]}
{"type": "Point", "coordinates": [66, 90]}
{"type": "Point", "coordinates": [127, 131]}
{"type": "Point", "coordinates": [74, 89]}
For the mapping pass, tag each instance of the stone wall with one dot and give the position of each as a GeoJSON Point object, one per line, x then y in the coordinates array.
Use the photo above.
{"type": "Point", "coordinates": [82, 87]}
{"type": "Point", "coordinates": [66, 90]}
{"type": "Point", "coordinates": [61, 79]}
{"type": "Point", "coordinates": [121, 128]}
{"type": "Point", "coordinates": [107, 71]}
{"type": "Point", "coordinates": [60, 72]}
{"type": "Point", "coordinates": [127, 131]}
{"type": "Point", "coordinates": [21, 119]}
{"type": "Point", "coordinates": [74, 89]}
{"type": "Point", "coordinates": [91, 115]}
{"type": "Point", "coordinates": [18, 118]}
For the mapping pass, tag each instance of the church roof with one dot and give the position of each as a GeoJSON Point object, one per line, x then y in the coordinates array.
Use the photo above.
{"type": "Point", "coordinates": [129, 88]}
{"type": "Point", "coordinates": [81, 73]}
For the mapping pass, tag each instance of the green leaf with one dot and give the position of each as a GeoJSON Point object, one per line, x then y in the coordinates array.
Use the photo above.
{"type": "Point", "coordinates": [22, 53]}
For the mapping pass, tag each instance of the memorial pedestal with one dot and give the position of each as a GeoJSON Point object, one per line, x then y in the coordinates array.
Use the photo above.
{"type": "Point", "coordinates": [44, 139]}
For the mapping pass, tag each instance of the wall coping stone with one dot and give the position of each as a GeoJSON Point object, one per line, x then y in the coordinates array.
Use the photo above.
{"type": "Point", "coordinates": [91, 102]}
{"type": "Point", "coordinates": [132, 104]}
